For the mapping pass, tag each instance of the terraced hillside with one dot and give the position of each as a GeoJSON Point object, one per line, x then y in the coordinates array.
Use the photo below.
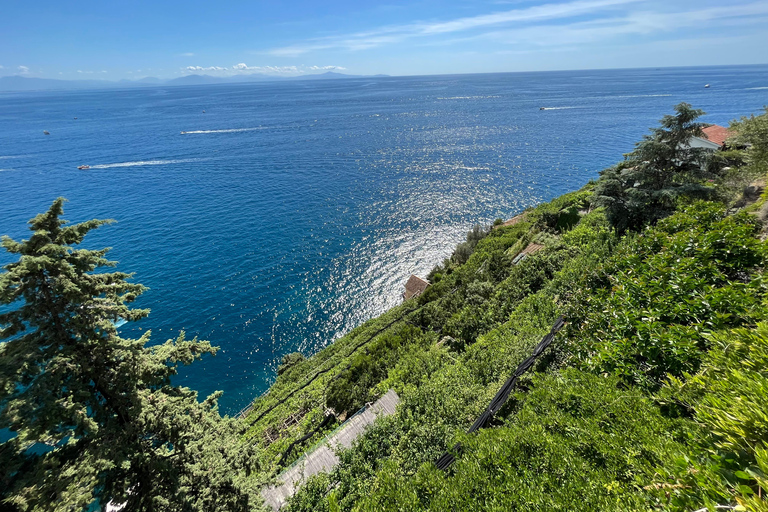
{"type": "Point", "coordinates": [631, 407]}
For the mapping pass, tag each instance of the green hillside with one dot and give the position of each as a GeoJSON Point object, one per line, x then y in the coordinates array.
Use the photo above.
{"type": "Point", "coordinates": [652, 397]}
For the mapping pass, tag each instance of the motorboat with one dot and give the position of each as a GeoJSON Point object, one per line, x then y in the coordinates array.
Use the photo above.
{"type": "Point", "coordinates": [46, 132]}
{"type": "Point", "coordinates": [83, 167]}
{"type": "Point", "coordinates": [706, 86]}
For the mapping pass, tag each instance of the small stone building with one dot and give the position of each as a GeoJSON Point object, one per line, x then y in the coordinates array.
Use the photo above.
{"type": "Point", "coordinates": [414, 287]}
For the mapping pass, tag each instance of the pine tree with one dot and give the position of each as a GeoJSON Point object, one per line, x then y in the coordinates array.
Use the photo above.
{"type": "Point", "coordinates": [95, 415]}
{"type": "Point", "coordinates": [663, 167]}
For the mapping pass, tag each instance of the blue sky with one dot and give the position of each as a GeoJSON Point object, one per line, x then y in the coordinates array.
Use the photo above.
{"type": "Point", "coordinates": [116, 40]}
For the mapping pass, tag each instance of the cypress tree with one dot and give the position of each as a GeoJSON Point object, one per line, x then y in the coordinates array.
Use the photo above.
{"type": "Point", "coordinates": [94, 416]}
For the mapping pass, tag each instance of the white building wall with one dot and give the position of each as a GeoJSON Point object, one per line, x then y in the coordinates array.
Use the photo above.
{"type": "Point", "coordinates": [698, 142]}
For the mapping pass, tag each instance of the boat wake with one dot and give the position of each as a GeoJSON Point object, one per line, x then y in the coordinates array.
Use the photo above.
{"type": "Point", "coordinates": [229, 130]}
{"type": "Point", "coordinates": [556, 108]}
{"type": "Point", "coordinates": [641, 96]}
{"type": "Point", "coordinates": [467, 97]}
{"type": "Point", "coordinates": [145, 162]}
{"type": "Point", "coordinates": [756, 88]}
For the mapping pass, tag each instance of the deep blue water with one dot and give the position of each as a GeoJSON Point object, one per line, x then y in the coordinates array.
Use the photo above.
{"type": "Point", "coordinates": [292, 212]}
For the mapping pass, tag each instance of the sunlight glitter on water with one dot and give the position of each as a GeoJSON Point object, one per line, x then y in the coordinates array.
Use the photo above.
{"type": "Point", "coordinates": [297, 211]}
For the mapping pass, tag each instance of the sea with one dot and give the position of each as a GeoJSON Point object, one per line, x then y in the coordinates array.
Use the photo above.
{"type": "Point", "coordinates": [275, 217]}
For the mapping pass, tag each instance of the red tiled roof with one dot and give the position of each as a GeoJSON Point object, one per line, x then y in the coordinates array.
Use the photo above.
{"type": "Point", "coordinates": [717, 134]}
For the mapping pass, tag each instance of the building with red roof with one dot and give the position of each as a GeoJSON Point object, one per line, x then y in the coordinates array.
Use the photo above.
{"type": "Point", "coordinates": [714, 138]}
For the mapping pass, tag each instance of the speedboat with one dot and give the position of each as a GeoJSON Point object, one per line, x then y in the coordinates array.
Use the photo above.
{"type": "Point", "coordinates": [82, 167]}
{"type": "Point", "coordinates": [46, 132]}
{"type": "Point", "coordinates": [706, 86]}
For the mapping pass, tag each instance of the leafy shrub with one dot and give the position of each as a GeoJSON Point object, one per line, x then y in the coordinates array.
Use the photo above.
{"type": "Point", "coordinates": [353, 388]}
{"type": "Point", "coordinates": [696, 272]}
{"type": "Point", "coordinates": [752, 131]}
{"type": "Point", "coordinates": [464, 250]}
{"type": "Point", "coordinates": [576, 442]}
{"type": "Point", "coordinates": [289, 361]}
{"type": "Point", "coordinates": [730, 399]}
{"type": "Point", "coordinates": [562, 213]}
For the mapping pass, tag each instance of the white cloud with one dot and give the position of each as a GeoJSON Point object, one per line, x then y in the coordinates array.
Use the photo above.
{"type": "Point", "coordinates": [243, 68]}
{"type": "Point", "coordinates": [200, 68]}
{"type": "Point", "coordinates": [265, 69]}
{"type": "Point", "coordinates": [23, 70]}
{"type": "Point", "coordinates": [546, 25]}
{"type": "Point", "coordinates": [633, 24]}
{"type": "Point", "coordinates": [326, 68]}
{"type": "Point", "coordinates": [398, 33]}
{"type": "Point", "coordinates": [187, 54]}
{"type": "Point", "coordinates": [539, 12]}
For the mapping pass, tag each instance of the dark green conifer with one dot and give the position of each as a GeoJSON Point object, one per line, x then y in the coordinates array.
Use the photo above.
{"type": "Point", "coordinates": [94, 415]}
{"type": "Point", "coordinates": [662, 168]}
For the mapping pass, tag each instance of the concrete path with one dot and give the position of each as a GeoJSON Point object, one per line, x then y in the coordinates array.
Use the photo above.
{"type": "Point", "coordinates": [324, 458]}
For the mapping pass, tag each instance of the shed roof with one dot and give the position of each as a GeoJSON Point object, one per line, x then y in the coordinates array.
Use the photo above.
{"type": "Point", "coordinates": [514, 220]}
{"type": "Point", "coordinates": [530, 249]}
{"type": "Point", "coordinates": [415, 286]}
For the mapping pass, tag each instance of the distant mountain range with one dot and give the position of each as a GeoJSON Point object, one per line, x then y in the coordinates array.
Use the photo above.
{"type": "Point", "coordinates": [21, 83]}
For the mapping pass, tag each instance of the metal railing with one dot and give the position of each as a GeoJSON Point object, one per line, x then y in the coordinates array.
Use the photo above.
{"type": "Point", "coordinates": [503, 394]}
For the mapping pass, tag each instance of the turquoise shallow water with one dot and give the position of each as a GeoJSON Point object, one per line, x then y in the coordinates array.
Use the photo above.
{"type": "Point", "coordinates": [291, 212]}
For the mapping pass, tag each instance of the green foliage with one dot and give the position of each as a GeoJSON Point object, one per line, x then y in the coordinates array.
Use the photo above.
{"type": "Point", "coordinates": [640, 306]}
{"type": "Point", "coordinates": [646, 314]}
{"type": "Point", "coordinates": [562, 213]}
{"type": "Point", "coordinates": [464, 250]}
{"type": "Point", "coordinates": [289, 361]}
{"type": "Point", "coordinates": [353, 387]}
{"type": "Point", "coordinates": [111, 424]}
{"type": "Point", "coordinates": [662, 168]}
{"type": "Point", "coordinates": [575, 442]}
{"type": "Point", "coordinates": [462, 253]}
{"type": "Point", "coordinates": [730, 399]}
{"type": "Point", "coordinates": [753, 132]}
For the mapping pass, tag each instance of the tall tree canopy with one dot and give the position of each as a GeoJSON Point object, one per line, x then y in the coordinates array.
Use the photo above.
{"type": "Point", "coordinates": [752, 132]}
{"type": "Point", "coordinates": [662, 168]}
{"type": "Point", "coordinates": [94, 415]}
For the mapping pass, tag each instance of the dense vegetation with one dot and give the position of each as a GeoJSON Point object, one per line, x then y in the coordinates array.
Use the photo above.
{"type": "Point", "coordinates": [94, 415]}
{"type": "Point", "coordinates": [654, 396]}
